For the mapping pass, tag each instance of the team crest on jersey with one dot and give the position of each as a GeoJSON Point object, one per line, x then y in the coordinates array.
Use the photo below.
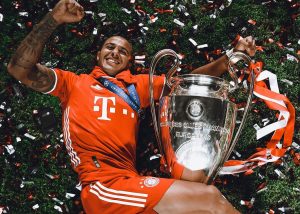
{"type": "Point", "coordinates": [151, 182]}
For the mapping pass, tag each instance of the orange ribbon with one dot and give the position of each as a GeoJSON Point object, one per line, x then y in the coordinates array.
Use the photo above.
{"type": "Point", "coordinates": [271, 153]}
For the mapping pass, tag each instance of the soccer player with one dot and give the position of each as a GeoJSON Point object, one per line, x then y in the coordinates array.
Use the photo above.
{"type": "Point", "coordinates": [100, 127]}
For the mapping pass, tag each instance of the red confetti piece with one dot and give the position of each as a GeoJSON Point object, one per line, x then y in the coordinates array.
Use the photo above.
{"type": "Point", "coordinates": [251, 21]}
{"type": "Point", "coordinates": [297, 159]}
{"type": "Point", "coordinates": [30, 196]}
{"type": "Point", "coordinates": [161, 11]}
{"type": "Point", "coordinates": [45, 147]}
{"type": "Point", "coordinates": [29, 24]}
{"type": "Point", "coordinates": [261, 186]}
{"type": "Point", "coordinates": [217, 52]}
{"type": "Point", "coordinates": [260, 48]}
{"type": "Point", "coordinates": [18, 164]}
{"type": "Point", "coordinates": [280, 45]}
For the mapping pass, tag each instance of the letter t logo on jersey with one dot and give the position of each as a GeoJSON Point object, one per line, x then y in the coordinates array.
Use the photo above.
{"type": "Point", "coordinates": [104, 102]}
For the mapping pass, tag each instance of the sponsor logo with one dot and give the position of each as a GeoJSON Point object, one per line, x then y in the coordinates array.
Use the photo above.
{"type": "Point", "coordinates": [151, 182]}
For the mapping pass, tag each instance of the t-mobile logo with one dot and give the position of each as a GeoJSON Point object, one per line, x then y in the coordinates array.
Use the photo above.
{"type": "Point", "coordinates": [104, 101]}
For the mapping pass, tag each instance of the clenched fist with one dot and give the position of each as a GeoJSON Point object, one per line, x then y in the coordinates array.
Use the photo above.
{"type": "Point", "coordinates": [246, 45]}
{"type": "Point", "coordinates": [67, 11]}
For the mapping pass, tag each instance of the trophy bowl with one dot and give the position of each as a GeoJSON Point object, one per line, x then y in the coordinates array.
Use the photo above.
{"type": "Point", "coordinates": [195, 121]}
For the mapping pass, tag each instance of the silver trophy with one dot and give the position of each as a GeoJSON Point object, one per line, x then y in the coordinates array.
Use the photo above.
{"type": "Point", "coordinates": [196, 120]}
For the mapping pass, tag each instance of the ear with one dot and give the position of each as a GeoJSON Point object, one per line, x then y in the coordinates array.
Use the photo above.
{"type": "Point", "coordinates": [98, 55]}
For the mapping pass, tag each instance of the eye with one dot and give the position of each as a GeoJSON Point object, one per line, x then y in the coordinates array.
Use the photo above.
{"type": "Point", "coordinates": [110, 47]}
{"type": "Point", "coordinates": [123, 52]}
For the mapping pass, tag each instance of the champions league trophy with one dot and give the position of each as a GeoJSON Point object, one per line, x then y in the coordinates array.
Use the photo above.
{"type": "Point", "coordinates": [196, 119]}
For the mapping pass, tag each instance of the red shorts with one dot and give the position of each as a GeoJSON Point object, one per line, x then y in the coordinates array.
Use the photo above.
{"type": "Point", "coordinates": [124, 195]}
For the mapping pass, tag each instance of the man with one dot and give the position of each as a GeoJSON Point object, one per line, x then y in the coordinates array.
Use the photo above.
{"type": "Point", "coordinates": [100, 127]}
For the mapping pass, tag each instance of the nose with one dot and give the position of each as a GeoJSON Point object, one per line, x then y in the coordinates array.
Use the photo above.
{"type": "Point", "coordinates": [115, 52]}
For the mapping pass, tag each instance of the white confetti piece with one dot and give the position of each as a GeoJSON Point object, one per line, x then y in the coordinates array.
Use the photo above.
{"type": "Point", "coordinates": [126, 10]}
{"type": "Point", "coordinates": [10, 149]}
{"type": "Point", "coordinates": [1, 17]}
{"type": "Point", "coordinates": [70, 195]}
{"type": "Point", "coordinates": [95, 31]}
{"type": "Point", "coordinates": [35, 207]}
{"type": "Point", "coordinates": [279, 173]}
{"type": "Point", "coordinates": [23, 14]}
{"type": "Point", "coordinates": [79, 186]}
{"type": "Point", "coordinates": [58, 208]}
{"type": "Point", "coordinates": [58, 201]}
{"type": "Point", "coordinates": [102, 15]}
{"type": "Point", "coordinates": [140, 62]}
{"type": "Point", "coordinates": [193, 41]}
{"type": "Point", "coordinates": [140, 57]}
{"type": "Point", "coordinates": [212, 16]}
{"type": "Point", "coordinates": [291, 58]}
{"type": "Point", "coordinates": [202, 46]}
{"type": "Point", "coordinates": [176, 21]}
{"type": "Point", "coordinates": [256, 127]}
{"type": "Point", "coordinates": [295, 145]}
{"type": "Point", "coordinates": [89, 12]}
{"type": "Point", "coordinates": [29, 136]}
{"type": "Point", "coordinates": [287, 81]}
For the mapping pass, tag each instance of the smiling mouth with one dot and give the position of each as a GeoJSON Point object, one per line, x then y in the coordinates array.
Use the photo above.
{"type": "Point", "coordinates": [112, 61]}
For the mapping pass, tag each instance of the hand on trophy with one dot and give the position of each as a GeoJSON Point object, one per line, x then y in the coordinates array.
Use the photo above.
{"type": "Point", "coordinates": [246, 45]}
{"type": "Point", "coordinates": [67, 11]}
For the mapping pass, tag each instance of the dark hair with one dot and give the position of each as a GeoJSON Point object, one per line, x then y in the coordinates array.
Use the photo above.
{"type": "Point", "coordinates": [110, 31]}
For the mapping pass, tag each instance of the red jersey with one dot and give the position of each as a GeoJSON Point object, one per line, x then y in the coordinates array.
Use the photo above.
{"type": "Point", "coordinates": [100, 128]}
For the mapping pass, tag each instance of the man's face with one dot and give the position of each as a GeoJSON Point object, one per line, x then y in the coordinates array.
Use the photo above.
{"type": "Point", "coordinates": [114, 55]}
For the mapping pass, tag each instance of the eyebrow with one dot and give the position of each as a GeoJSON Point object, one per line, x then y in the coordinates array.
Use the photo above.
{"type": "Point", "coordinates": [123, 48]}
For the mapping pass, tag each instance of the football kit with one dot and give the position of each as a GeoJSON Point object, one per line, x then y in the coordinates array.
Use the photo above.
{"type": "Point", "coordinates": [100, 133]}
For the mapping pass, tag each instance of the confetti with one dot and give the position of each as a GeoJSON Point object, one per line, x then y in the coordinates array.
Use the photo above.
{"type": "Point", "coordinates": [176, 21]}
{"type": "Point", "coordinates": [58, 208]}
{"type": "Point", "coordinates": [193, 41]}
{"type": "Point", "coordinates": [202, 46]}
{"type": "Point", "coordinates": [35, 207]}
{"type": "Point", "coordinates": [287, 81]}
{"type": "Point", "coordinates": [58, 201]}
{"type": "Point", "coordinates": [70, 195]}
{"type": "Point", "coordinates": [291, 58]}
{"type": "Point", "coordinates": [23, 14]}
{"type": "Point", "coordinates": [10, 149]}
{"type": "Point", "coordinates": [280, 174]}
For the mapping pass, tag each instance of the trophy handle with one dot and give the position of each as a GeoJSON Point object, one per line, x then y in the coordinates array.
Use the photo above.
{"type": "Point", "coordinates": [159, 55]}
{"type": "Point", "coordinates": [235, 57]}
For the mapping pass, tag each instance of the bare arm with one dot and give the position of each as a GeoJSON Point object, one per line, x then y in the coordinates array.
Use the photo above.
{"type": "Point", "coordinates": [23, 64]}
{"type": "Point", "coordinates": [215, 68]}
{"type": "Point", "coordinates": [218, 67]}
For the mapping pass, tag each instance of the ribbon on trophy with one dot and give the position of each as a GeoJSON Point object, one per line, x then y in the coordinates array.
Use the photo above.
{"type": "Point", "coordinates": [283, 128]}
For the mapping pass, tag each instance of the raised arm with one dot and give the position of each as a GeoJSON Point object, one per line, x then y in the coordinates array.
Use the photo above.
{"type": "Point", "coordinates": [23, 64]}
{"type": "Point", "coordinates": [219, 66]}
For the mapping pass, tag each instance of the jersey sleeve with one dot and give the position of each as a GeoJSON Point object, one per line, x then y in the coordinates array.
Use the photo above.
{"type": "Point", "coordinates": [64, 81]}
{"type": "Point", "coordinates": [176, 169]}
{"type": "Point", "coordinates": [143, 88]}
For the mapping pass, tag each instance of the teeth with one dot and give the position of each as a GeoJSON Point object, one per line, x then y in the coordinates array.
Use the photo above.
{"type": "Point", "coordinates": [113, 61]}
